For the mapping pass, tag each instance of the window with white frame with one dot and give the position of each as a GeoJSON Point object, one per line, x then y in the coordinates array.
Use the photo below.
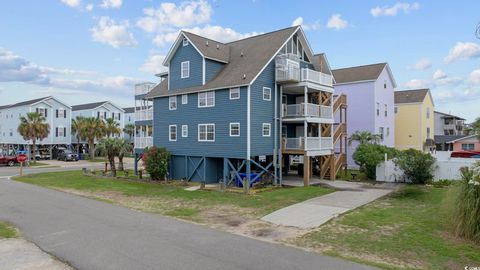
{"type": "Point", "coordinates": [378, 108]}
{"type": "Point", "coordinates": [172, 103]}
{"type": "Point", "coordinates": [206, 99]}
{"type": "Point", "coordinates": [386, 110]}
{"type": "Point", "coordinates": [172, 133]}
{"type": "Point", "coordinates": [396, 109]}
{"type": "Point", "coordinates": [185, 42]}
{"type": "Point", "coordinates": [266, 129]}
{"type": "Point", "coordinates": [267, 93]}
{"type": "Point", "coordinates": [184, 131]}
{"type": "Point", "coordinates": [60, 131]}
{"type": "Point", "coordinates": [468, 146]}
{"type": "Point", "coordinates": [185, 69]}
{"type": "Point", "coordinates": [428, 113]}
{"type": "Point", "coordinates": [388, 131]}
{"type": "Point", "coordinates": [235, 93]}
{"type": "Point", "coordinates": [41, 111]}
{"type": "Point", "coordinates": [184, 99]}
{"type": "Point", "coordinates": [380, 131]}
{"type": "Point", "coordinates": [206, 132]}
{"type": "Point", "coordinates": [234, 129]}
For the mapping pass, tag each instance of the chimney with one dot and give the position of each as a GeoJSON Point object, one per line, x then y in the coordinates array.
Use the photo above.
{"type": "Point", "coordinates": [206, 43]}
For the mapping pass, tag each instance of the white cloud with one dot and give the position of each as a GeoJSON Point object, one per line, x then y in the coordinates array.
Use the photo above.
{"type": "Point", "coordinates": [89, 7]}
{"type": "Point", "coordinates": [439, 74]}
{"type": "Point", "coordinates": [393, 10]}
{"type": "Point", "coordinates": [14, 68]}
{"type": "Point", "coordinates": [462, 50]}
{"type": "Point", "coordinates": [154, 65]}
{"type": "Point", "coordinates": [116, 35]}
{"type": "Point", "coordinates": [422, 64]}
{"type": "Point", "coordinates": [336, 22]}
{"type": "Point", "coordinates": [417, 83]}
{"type": "Point", "coordinates": [169, 15]}
{"type": "Point", "coordinates": [305, 26]}
{"type": "Point", "coordinates": [475, 77]}
{"type": "Point", "coordinates": [111, 3]}
{"type": "Point", "coordinates": [71, 3]}
{"type": "Point", "coordinates": [214, 32]}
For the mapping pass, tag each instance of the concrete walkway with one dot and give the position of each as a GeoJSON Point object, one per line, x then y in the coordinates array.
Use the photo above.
{"type": "Point", "coordinates": [315, 212]}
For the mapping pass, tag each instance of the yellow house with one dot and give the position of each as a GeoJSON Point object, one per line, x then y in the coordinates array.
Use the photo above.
{"type": "Point", "coordinates": [414, 120]}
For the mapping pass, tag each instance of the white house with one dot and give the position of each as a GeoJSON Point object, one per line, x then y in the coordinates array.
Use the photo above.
{"type": "Point", "coordinates": [57, 115]}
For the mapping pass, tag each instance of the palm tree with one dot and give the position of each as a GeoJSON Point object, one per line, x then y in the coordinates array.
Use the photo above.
{"type": "Point", "coordinates": [109, 148]}
{"type": "Point", "coordinates": [77, 126]}
{"type": "Point", "coordinates": [364, 137]}
{"type": "Point", "coordinates": [129, 129]}
{"type": "Point", "coordinates": [476, 127]}
{"type": "Point", "coordinates": [124, 148]}
{"type": "Point", "coordinates": [112, 127]}
{"type": "Point", "coordinates": [33, 127]}
{"type": "Point", "coordinates": [93, 128]}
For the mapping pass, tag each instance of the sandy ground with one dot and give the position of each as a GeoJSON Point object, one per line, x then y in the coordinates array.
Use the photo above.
{"type": "Point", "coordinates": [19, 254]}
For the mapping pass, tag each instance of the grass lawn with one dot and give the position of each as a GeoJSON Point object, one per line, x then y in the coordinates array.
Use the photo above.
{"type": "Point", "coordinates": [407, 230]}
{"type": "Point", "coordinates": [172, 199]}
{"type": "Point", "coordinates": [7, 231]}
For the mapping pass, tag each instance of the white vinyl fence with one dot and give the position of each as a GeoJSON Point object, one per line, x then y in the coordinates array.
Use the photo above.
{"type": "Point", "coordinates": [445, 169]}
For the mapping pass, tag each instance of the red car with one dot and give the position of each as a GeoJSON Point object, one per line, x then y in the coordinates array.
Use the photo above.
{"type": "Point", "coordinates": [8, 160]}
{"type": "Point", "coordinates": [465, 154]}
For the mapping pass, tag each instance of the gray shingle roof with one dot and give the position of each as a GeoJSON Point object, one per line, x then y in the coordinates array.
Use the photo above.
{"type": "Point", "coordinates": [87, 106]}
{"type": "Point", "coordinates": [449, 115]}
{"type": "Point", "coordinates": [447, 138]}
{"type": "Point", "coordinates": [410, 96]}
{"type": "Point", "coordinates": [359, 73]}
{"type": "Point", "coordinates": [210, 48]}
{"type": "Point", "coordinates": [129, 110]}
{"type": "Point", "coordinates": [23, 103]}
{"type": "Point", "coordinates": [247, 57]}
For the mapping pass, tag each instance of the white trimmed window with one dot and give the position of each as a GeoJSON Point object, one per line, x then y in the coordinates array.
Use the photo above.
{"type": "Point", "coordinates": [206, 99]}
{"type": "Point", "coordinates": [206, 132]}
{"type": "Point", "coordinates": [172, 133]}
{"type": "Point", "coordinates": [267, 93]}
{"type": "Point", "coordinates": [60, 131]}
{"type": "Point", "coordinates": [234, 129]}
{"type": "Point", "coordinates": [184, 131]}
{"type": "Point", "coordinates": [266, 128]}
{"type": "Point", "coordinates": [172, 103]}
{"type": "Point", "coordinates": [235, 93]}
{"type": "Point", "coordinates": [185, 69]}
{"type": "Point", "coordinates": [185, 42]}
{"type": "Point", "coordinates": [184, 99]}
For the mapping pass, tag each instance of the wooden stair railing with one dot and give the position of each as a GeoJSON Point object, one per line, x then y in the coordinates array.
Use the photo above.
{"type": "Point", "coordinates": [339, 101]}
{"type": "Point", "coordinates": [339, 131]}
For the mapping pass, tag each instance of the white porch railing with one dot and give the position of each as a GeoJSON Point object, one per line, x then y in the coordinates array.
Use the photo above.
{"type": "Point", "coordinates": [311, 143]}
{"type": "Point", "coordinates": [307, 110]}
{"type": "Point", "coordinates": [314, 76]}
{"type": "Point", "coordinates": [144, 115]}
{"type": "Point", "coordinates": [143, 142]}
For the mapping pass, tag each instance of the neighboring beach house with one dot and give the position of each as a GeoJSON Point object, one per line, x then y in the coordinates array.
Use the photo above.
{"type": "Point", "coordinates": [448, 124]}
{"type": "Point", "coordinates": [414, 120]}
{"type": "Point", "coordinates": [57, 115]}
{"type": "Point", "coordinates": [245, 108]}
{"type": "Point", "coordinates": [467, 143]}
{"type": "Point", "coordinates": [370, 92]}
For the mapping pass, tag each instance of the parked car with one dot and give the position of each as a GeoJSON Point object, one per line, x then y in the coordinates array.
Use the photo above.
{"type": "Point", "coordinates": [465, 154]}
{"type": "Point", "coordinates": [8, 160]}
{"type": "Point", "coordinates": [67, 155]}
{"type": "Point", "coordinates": [42, 155]}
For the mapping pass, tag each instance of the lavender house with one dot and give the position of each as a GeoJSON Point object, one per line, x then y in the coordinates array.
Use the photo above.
{"type": "Point", "coordinates": [370, 93]}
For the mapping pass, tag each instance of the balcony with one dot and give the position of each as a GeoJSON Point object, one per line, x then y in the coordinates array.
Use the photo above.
{"type": "Point", "coordinates": [310, 144]}
{"type": "Point", "coordinates": [143, 142]}
{"type": "Point", "coordinates": [143, 88]}
{"type": "Point", "coordinates": [144, 115]}
{"type": "Point", "coordinates": [288, 70]}
{"type": "Point", "coordinates": [307, 110]}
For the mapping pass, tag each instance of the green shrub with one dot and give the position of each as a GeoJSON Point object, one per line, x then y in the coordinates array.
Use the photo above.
{"type": "Point", "coordinates": [441, 183]}
{"type": "Point", "coordinates": [368, 156]}
{"type": "Point", "coordinates": [155, 161]}
{"type": "Point", "coordinates": [466, 210]}
{"type": "Point", "coordinates": [416, 165]}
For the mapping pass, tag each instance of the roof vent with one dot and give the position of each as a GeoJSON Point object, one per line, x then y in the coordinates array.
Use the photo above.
{"type": "Point", "coordinates": [241, 54]}
{"type": "Point", "coordinates": [244, 76]}
{"type": "Point", "coordinates": [218, 46]}
{"type": "Point", "coordinates": [206, 43]}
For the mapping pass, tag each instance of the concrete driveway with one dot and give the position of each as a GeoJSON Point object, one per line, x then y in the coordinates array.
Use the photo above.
{"type": "Point", "coordinates": [90, 234]}
{"type": "Point", "coordinates": [317, 211]}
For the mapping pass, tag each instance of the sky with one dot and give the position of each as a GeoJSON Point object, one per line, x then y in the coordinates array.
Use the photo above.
{"type": "Point", "coordinates": [84, 51]}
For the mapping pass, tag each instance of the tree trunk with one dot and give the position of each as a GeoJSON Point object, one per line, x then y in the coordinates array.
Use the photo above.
{"type": "Point", "coordinates": [78, 147]}
{"type": "Point", "coordinates": [112, 166]}
{"type": "Point", "coordinates": [91, 145]}
{"type": "Point", "coordinates": [120, 163]}
{"type": "Point", "coordinates": [34, 152]}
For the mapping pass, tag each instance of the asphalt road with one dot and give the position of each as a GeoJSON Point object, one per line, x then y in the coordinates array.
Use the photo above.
{"type": "Point", "coordinates": [90, 234]}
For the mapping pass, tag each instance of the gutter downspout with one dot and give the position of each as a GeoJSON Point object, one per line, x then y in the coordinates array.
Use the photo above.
{"type": "Point", "coordinates": [280, 157]}
{"type": "Point", "coordinates": [275, 136]}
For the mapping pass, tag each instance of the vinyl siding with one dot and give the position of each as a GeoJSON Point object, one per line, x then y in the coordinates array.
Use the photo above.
{"type": "Point", "coordinates": [224, 112]}
{"type": "Point", "coordinates": [211, 69]}
{"type": "Point", "coordinates": [186, 53]}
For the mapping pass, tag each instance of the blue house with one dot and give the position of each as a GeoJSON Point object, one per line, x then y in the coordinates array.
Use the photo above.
{"type": "Point", "coordinates": [247, 108]}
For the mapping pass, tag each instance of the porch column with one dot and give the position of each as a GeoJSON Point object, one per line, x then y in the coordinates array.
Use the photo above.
{"type": "Point", "coordinates": [306, 171]}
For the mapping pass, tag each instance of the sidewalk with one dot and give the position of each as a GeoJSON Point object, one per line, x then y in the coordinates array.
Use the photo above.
{"type": "Point", "coordinates": [317, 211]}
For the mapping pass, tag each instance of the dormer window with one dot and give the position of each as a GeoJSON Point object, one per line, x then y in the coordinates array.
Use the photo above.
{"type": "Point", "coordinates": [185, 69]}
{"type": "Point", "coordinates": [185, 42]}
